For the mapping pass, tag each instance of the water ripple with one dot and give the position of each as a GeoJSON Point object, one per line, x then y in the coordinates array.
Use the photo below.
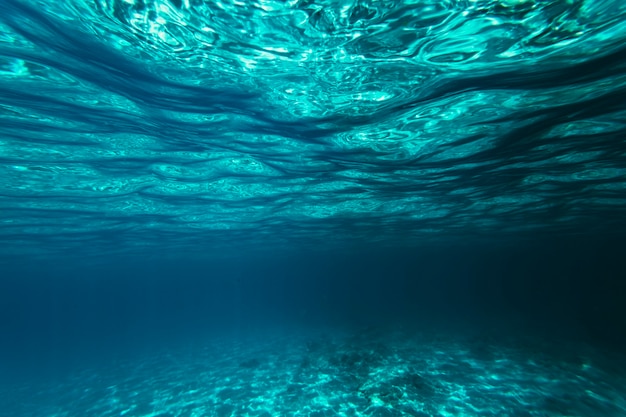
{"type": "Point", "coordinates": [188, 126]}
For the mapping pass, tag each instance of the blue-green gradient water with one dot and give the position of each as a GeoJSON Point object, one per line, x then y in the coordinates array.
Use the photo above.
{"type": "Point", "coordinates": [312, 208]}
{"type": "Point", "coordinates": [190, 127]}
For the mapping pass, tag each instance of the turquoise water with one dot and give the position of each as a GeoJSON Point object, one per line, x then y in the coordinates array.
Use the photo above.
{"type": "Point", "coordinates": [312, 208]}
{"type": "Point", "coordinates": [189, 127]}
{"type": "Point", "coordinates": [363, 374]}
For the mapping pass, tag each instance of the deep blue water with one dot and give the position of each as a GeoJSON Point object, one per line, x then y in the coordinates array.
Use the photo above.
{"type": "Point", "coordinates": [313, 208]}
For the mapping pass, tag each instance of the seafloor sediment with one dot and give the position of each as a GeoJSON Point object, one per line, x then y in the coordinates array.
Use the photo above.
{"type": "Point", "coordinates": [368, 373]}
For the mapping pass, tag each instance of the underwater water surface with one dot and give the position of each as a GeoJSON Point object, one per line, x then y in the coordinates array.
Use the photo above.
{"type": "Point", "coordinates": [188, 127]}
{"type": "Point", "coordinates": [313, 208]}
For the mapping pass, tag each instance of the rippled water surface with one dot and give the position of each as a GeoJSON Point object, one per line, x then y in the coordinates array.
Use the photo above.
{"type": "Point", "coordinates": [189, 126]}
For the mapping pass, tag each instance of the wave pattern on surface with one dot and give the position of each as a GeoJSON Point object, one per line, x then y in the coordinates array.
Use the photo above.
{"type": "Point", "coordinates": [186, 125]}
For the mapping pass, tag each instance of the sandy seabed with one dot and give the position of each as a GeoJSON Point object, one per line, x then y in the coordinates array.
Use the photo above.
{"type": "Point", "coordinates": [366, 373]}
